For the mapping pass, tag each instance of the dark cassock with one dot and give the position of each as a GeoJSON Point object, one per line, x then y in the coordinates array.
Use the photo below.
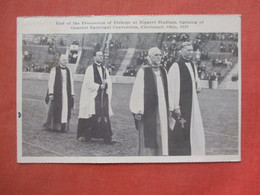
{"type": "Point", "coordinates": [187, 136]}
{"type": "Point", "coordinates": [59, 99]}
{"type": "Point", "coordinates": [95, 105]}
{"type": "Point", "coordinates": [150, 99]}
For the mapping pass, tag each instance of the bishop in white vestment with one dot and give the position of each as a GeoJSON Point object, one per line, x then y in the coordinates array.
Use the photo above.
{"type": "Point", "coordinates": [149, 105]}
{"type": "Point", "coordinates": [95, 102]}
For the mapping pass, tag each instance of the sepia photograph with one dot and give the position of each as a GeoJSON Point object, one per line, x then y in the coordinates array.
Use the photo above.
{"type": "Point", "coordinates": [133, 89]}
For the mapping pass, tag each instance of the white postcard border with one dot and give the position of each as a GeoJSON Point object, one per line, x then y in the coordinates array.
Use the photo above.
{"type": "Point", "coordinates": [42, 25]}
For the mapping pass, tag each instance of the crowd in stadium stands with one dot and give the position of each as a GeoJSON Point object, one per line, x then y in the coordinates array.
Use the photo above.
{"type": "Point", "coordinates": [217, 62]}
{"type": "Point", "coordinates": [170, 46]}
{"type": "Point", "coordinates": [130, 71]}
{"type": "Point", "coordinates": [170, 53]}
{"type": "Point", "coordinates": [229, 48]}
{"type": "Point", "coordinates": [115, 44]}
{"type": "Point", "coordinates": [141, 58]}
{"type": "Point", "coordinates": [44, 40]}
{"type": "Point", "coordinates": [33, 67]}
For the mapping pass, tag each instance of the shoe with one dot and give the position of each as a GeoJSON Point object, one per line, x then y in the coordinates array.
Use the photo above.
{"type": "Point", "coordinates": [82, 139]}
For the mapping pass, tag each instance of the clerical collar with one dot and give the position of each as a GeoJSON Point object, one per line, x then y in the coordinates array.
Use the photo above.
{"type": "Point", "coordinates": [185, 60]}
{"type": "Point", "coordinates": [155, 67]}
{"type": "Point", "coordinates": [98, 65]}
{"type": "Point", "coordinates": [62, 67]}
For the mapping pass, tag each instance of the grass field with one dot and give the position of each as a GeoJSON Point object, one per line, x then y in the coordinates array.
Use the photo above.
{"type": "Point", "coordinates": [219, 112]}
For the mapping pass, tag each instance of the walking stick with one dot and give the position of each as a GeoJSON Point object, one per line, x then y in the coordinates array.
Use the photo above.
{"type": "Point", "coordinates": [102, 96]}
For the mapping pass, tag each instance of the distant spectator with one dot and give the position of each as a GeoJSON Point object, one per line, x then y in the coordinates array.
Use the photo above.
{"type": "Point", "coordinates": [75, 42]}
{"type": "Point", "coordinates": [111, 45]}
{"type": "Point", "coordinates": [230, 47]}
{"type": "Point", "coordinates": [204, 54]}
{"type": "Point", "coordinates": [197, 55]}
{"type": "Point", "coordinates": [214, 76]}
{"type": "Point", "coordinates": [228, 64]}
{"type": "Point", "coordinates": [28, 55]}
{"type": "Point", "coordinates": [73, 56]}
{"type": "Point", "coordinates": [202, 71]}
{"type": "Point", "coordinates": [234, 78]}
{"type": "Point", "coordinates": [32, 68]}
{"type": "Point", "coordinates": [51, 49]}
{"type": "Point", "coordinates": [61, 42]}
{"type": "Point", "coordinates": [222, 47]}
{"type": "Point", "coordinates": [235, 52]}
{"type": "Point", "coordinates": [47, 68]}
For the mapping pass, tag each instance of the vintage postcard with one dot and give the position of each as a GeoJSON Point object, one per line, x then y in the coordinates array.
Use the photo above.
{"type": "Point", "coordinates": [129, 89]}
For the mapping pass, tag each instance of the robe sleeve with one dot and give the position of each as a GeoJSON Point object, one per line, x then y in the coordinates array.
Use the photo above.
{"type": "Point", "coordinates": [88, 82]}
{"type": "Point", "coordinates": [51, 81]}
{"type": "Point", "coordinates": [137, 96]}
{"type": "Point", "coordinates": [174, 87]}
{"type": "Point", "coordinates": [72, 83]}
{"type": "Point", "coordinates": [197, 80]}
{"type": "Point", "coordinates": [109, 85]}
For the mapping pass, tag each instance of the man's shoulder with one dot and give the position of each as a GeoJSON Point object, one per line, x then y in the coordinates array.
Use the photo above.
{"type": "Point", "coordinates": [89, 67]}
{"type": "Point", "coordinates": [146, 66]}
{"type": "Point", "coordinates": [53, 69]}
{"type": "Point", "coordinates": [174, 67]}
{"type": "Point", "coordinates": [162, 68]}
{"type": "Point", "coordinates": [175, 64]}
{"type": "Point", "coordinates": [179, 61]}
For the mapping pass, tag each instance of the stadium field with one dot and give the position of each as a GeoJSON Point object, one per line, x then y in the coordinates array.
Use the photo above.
{"type": "Point", "coordinates": [219, 111]}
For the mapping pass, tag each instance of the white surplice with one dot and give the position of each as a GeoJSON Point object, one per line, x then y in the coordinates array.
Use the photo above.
{"type": "Point", "coordinates": [89, 92]}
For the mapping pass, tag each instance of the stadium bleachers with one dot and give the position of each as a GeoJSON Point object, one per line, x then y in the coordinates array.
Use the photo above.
{"type": "Point", "coordinates": [121, 42]}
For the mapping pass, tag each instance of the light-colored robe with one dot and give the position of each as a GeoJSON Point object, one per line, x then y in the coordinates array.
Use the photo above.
{"type": "Point", "coordinates": [89, 92]}
{"type": "Point", "coordinates": [137, 107]}
{"type": "Point", "coordinates": [197, 137]}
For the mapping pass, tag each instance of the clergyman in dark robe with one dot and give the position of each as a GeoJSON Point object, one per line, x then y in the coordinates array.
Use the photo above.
{"type": "Point", "coordinates": [59, 97]}
{"type": "Point", "coordinates": [187, 134]}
